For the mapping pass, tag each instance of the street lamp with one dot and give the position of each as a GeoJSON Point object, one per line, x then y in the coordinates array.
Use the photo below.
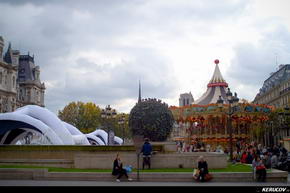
{"type": "Point", "coordinates": [121, 122]}
{"type": "Point", "coordinates": [108, 114]}
{"type": "Point", "coordinates": [233, 102]}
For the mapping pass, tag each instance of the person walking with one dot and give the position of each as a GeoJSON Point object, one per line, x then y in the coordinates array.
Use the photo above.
{"type": "Point", "coordinates": [118, 169]}
{"type": "Point", "coordinates": [147, 152]}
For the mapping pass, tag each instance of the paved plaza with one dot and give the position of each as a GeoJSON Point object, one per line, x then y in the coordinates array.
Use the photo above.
{"type": "Point", "coordinates": [125, 183]}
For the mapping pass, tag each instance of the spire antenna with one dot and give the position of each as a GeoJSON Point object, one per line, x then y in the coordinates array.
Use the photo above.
{"type": "Point", "coordinates": [139, 97]}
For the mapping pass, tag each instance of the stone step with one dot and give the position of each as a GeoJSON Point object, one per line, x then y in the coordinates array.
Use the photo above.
{"type": "Point", "coordinates": [43, 174]}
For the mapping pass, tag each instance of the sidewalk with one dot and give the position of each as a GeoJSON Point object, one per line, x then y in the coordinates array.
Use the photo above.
{"type": "Point", "coordinates": [220, 177]}
{"type": "Point", "coordinates": [134, 183]}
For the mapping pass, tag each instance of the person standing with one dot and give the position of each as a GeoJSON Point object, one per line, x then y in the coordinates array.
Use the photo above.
{"type": "Point", "coordinates": [118, 169]}
{"type": "Point", "coordinates": [147, 152]}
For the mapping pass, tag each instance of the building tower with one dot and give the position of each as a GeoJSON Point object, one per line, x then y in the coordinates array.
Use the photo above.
{"type": "Point", "coordinates": [8, 55]}
{"type": "Point", "coordinates": [185, 99]}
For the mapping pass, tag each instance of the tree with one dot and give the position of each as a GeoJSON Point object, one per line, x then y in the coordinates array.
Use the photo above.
{"type": "Point", "coordinates": [87, 117]}
{"type": "Point", "coordinates": [84, 116]}
{"type": "Point", "coordinates": [151, 118]}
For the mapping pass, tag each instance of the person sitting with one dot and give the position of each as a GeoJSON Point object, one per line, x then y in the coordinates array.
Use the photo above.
{"type": "Point", "coordinates": [249, 158]}
{"type": "Point", "coordinates": [203, 174]}
{"type": "Point", "coordinates": [146, 151]}
{"type": "Point", "coordinates": [274, 161]}
{"type": "Point", "coordinates": [260, 169]}
{"type": "Point", "coordinates": [267, 161]}
{"type": "Point", "coordinates": [118, 169]}
{"type": "Point", "coordinates": [244, 157]}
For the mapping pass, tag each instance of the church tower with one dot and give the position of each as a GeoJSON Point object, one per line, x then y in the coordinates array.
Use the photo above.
{"type": "Point", "coordinates": [139, 96]}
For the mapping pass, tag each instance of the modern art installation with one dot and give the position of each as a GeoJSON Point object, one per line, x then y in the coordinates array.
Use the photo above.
{"type": "Point", "coordinates": [33, 124]}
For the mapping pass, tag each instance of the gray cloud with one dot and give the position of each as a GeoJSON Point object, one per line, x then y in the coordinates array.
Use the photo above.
{"type": "Point", "coordinates": [254, 63]}
{"type": "Point", "coordinates": [58, 31]}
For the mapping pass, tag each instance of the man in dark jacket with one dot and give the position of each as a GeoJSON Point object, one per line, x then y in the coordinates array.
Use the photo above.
{"type": "Point", "coordinates": [146, 151]}
{"type": "Point", "coordinates": [250, 158]}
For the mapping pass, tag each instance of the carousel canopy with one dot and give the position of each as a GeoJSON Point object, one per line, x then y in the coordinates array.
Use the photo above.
{"type": "Point", "coordinates": [215, 88]}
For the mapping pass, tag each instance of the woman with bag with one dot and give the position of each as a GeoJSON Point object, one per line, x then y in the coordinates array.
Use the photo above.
{"type": "Point", "coordinates": [118, 169]}
{"type": "Point", "coordinates": [260, 169]}
{"type": "Point", "coordinates": [202, 174]}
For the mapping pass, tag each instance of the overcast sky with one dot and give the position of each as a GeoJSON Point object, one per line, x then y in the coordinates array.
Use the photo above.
{"type": "Point", "coordinates": [98, 50]}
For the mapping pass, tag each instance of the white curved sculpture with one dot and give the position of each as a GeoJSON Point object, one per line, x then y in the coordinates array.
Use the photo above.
{"type": "Point", "coordinates": [45, 130]}
{"type": "Point", "coordinates": [49, 119]}
{"type": "Point", "coordinates": [96, 139]}
{"type": "Point", "coordinates": [118, 140]}
{"type": "Point", "coordinates": [81, 139]}
{"type": "Point", "coordinates": [73, 130]}
{"type": "Point", "coordinates": [101, 134]}
{"type": "Point", "coordinates": [41, 122]}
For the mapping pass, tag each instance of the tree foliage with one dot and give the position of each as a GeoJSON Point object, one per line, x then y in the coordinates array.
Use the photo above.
{"type": "Point", "coordinates": [152, 119]}
{"type": "Point", "coordinates": [87, 117]}
{"type": "Point", "coordinates": [84, 116]}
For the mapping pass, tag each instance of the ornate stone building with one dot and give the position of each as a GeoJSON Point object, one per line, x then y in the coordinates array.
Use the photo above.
{"type": "Point", "coordinates": [276, 92]}
{"type": "Point", "coordinates": [276, 89]}
{"type": "Point", "coordinates": [19, 80]}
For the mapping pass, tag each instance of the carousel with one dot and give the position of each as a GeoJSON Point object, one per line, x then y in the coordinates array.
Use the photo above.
{"type": "Point", "coordinates": [218, 116]}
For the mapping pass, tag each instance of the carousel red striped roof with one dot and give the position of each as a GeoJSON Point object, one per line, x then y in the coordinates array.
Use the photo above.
{"type": "Point", "coordinates": [215, 88]}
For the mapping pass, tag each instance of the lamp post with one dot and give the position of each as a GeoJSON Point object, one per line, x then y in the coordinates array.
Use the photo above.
{"type": "Point", "coordinates": [233, 102]}
{"type": "Point", "coordinates": [121, 122]}
{"type": "Point", "coordinates": [108, 115]}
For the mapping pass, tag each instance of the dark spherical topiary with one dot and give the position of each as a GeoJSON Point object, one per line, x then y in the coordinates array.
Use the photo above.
{"type": "Point", "coordinates": [152, 119]}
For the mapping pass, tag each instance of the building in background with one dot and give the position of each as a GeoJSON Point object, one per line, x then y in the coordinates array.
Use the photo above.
{"type": "Point", "coordinates": [185, 99]}
{"type": "Point", "coordinates": [19, 80]}
{"type": "Point", "coordinates": [276, 92]}
{"type": "Point", "coordinates": [276, 89]}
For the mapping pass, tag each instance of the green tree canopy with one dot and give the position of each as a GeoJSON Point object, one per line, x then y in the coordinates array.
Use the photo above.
{"type": "Point", "coordinates": [152, 119]}
{"type": "Point", "coordinates": [84, 116]}
{"type": "Point", "coordinates": [87, 117]}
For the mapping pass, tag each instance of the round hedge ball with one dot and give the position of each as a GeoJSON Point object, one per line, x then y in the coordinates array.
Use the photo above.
{"type": "Point", "coordinates": [152, 119]}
